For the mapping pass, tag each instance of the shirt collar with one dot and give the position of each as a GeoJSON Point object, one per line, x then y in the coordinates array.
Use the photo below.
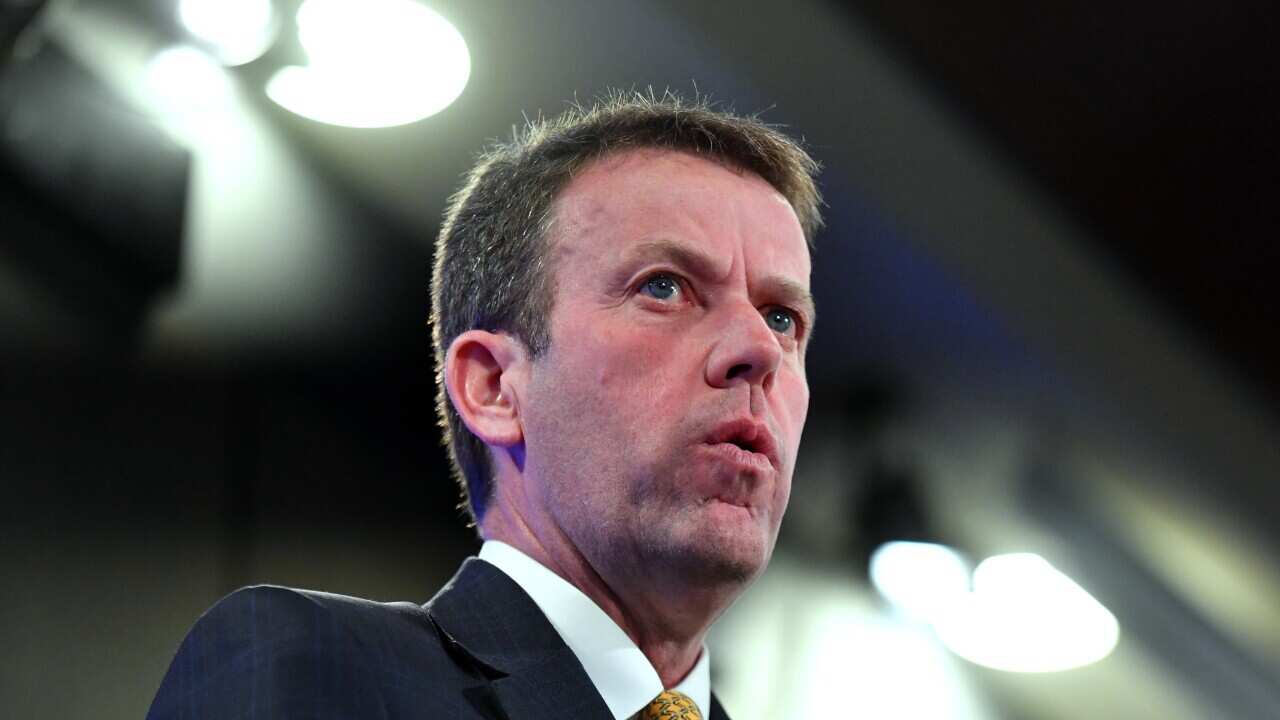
{"type": "Point", "coordinates": [619, 670]}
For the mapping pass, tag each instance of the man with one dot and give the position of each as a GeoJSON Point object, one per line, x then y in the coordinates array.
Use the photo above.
{"type": "Point", "coordinates": [621, 312]}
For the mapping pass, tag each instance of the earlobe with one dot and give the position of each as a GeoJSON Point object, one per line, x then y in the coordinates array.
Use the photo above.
{"type": "Point", "coordinates": [479, 374]}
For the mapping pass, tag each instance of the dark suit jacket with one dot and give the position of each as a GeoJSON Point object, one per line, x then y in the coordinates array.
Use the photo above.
{"type": "Point", "coordinates": [480, 648]}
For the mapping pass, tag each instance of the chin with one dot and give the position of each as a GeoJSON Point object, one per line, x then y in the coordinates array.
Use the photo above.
{"type": "Point", "coordinates": [733, 570]}
{"type": "Point", "coordinates": [727, 557]}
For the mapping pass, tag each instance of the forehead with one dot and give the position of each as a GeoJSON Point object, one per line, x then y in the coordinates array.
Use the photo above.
{"type": "Point", "coordinates": [645, 194]}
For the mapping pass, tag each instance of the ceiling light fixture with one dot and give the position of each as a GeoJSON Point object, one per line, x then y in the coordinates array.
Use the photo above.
{"type": "Point", "coordinates": [234, 31]}
{"type": "Point", "coordinates": [1024, 615]}
{"type": "Point", "coordinates": [921, 579]}
{"type": "Point", "coordinates": [184, 76]}
{"type": "Point", "coordinates": [373, 63]}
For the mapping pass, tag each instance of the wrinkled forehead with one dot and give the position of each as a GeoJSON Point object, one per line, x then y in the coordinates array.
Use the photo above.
{"type": "Point", "coordinates": [654, 192]}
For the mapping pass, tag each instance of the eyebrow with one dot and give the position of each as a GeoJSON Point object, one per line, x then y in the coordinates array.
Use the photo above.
{"type": "Point", "coordinates": [699, 264]}
{"type": "Point", "coordinates": [693, 261]}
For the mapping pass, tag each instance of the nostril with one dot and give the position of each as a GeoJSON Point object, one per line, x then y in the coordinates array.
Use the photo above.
{"type": "Point", "coordinates": [738, 370]}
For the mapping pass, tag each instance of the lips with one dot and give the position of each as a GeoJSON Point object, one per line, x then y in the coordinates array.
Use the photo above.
{"type": "Point", "coordinates": [747, 441]}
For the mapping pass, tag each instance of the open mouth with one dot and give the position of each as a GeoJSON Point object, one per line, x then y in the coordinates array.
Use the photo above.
{"type": "Point", "coordinates": [745, 440]}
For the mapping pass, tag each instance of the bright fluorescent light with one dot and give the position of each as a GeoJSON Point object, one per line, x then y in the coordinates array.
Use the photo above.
{"type": "Point", "coordinates": [1024, 615]}
{"type": "Point", "coordinates": [236, 31]}
{"type": "Point", "coordinates": [373, 63]}
{"type": "Point", "coordinates": [922, 579]}
{"type": "Point", "coordinates": [193, 93]}
{"type": "Point", "coordinates": [185, 77]}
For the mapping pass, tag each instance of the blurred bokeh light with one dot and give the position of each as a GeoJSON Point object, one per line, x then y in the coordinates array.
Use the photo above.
{"type": "Point", "coordinates": [1025, 616]}
{"type": "Point", "coordinates": [374, 63]}
{"type": "Point", "coordinates": [236, 31]}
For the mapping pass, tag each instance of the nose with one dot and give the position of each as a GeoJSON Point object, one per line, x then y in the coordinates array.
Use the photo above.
{"type": "Point", "coordinates": [744, 351]}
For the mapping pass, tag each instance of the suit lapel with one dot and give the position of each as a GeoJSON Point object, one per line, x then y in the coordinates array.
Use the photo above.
{"type": "Point", "coordinates": [523, 668]}
{"type": "Point", "coordinates": [717, 710]}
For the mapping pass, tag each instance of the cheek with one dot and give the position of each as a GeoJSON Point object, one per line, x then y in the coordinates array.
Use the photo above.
{"type": "Point", "coordinates": [793, 410]}
{"type": "Point", "coordinates": [644, 386]}
{"type": "Point", "coordinates": [634, 364]}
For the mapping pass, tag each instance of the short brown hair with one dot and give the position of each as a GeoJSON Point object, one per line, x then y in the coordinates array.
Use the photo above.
{"type": "Point", "coordinates": [491, 258]}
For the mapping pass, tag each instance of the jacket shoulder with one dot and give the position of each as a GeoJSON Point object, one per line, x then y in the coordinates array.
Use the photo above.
{"type": "Point", "coordinates": [272, 651]}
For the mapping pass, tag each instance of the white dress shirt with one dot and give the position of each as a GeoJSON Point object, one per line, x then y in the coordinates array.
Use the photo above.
{"type": "Point", "coordinates": [618, 669]}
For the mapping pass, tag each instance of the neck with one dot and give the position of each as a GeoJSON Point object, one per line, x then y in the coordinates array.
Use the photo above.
{"type": "Point", "coordinates": [669, 627]}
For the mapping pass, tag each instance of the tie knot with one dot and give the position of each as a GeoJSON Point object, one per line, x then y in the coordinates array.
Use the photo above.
{"type": "Point", "coordinates": [671, 705]}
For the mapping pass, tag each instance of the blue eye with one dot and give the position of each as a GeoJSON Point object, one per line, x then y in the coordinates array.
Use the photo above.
{"type": "Point", "coordinates": [661, 287]}
{"type": "Point", "coordinates": [780, 319]}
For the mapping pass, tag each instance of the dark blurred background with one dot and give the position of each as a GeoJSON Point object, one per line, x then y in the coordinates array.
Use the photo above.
{"type": "Point", "coordinates": [1048, 325]}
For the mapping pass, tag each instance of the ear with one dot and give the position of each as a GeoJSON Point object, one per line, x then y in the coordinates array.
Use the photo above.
{"type": "Point", "coordinates": [482, 374]}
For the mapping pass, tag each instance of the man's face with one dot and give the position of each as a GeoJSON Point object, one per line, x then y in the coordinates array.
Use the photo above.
{"type": "Point", "coordinates": [661, 425]}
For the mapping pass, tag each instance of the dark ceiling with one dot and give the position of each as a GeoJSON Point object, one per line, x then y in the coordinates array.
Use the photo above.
{"type": "Point", "coordinates": [1152, 123]}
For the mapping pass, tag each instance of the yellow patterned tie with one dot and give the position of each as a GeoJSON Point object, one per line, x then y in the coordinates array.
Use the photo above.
{"type": "Point", "coordinates": [671, 705]}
